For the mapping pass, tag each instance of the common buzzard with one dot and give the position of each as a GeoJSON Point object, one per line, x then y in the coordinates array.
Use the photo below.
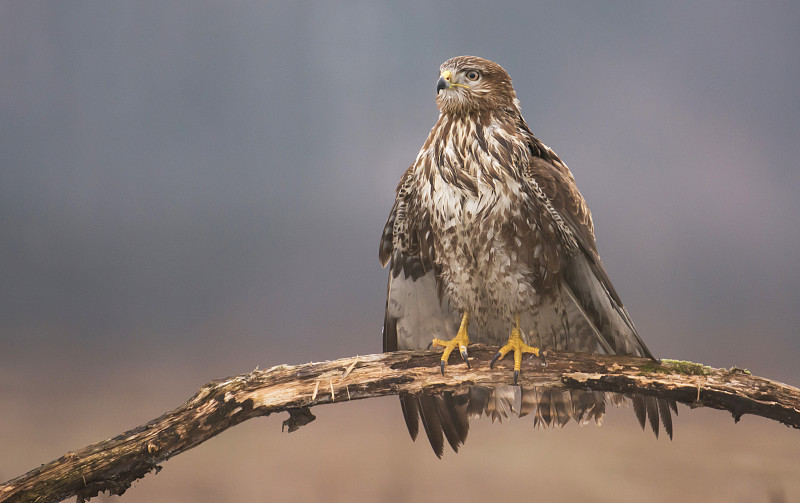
{"type": "Point", "coordinates": [489, 239]}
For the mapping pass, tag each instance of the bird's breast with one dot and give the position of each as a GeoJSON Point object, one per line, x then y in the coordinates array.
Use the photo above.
{"type": "Point", "coordinates": [470, 203]}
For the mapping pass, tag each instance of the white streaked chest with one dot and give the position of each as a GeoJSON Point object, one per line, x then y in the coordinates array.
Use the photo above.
{"type": "Point", "coordinates": [476, 193]}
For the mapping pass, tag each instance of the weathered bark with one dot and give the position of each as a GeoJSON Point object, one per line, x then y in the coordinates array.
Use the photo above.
{"type": "Point", "coordinates": [112, 465]}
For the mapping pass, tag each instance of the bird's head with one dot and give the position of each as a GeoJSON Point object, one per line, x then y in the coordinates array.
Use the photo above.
{"type": "Point", "coordinates": [470, 84]}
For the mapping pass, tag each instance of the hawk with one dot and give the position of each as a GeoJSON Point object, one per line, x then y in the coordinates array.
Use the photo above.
{"type": "Point", "coordinates": [489, 239]}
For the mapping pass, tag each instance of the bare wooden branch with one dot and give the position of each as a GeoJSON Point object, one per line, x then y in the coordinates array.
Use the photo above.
{"type": "Point", "coordinates": [112, 465]}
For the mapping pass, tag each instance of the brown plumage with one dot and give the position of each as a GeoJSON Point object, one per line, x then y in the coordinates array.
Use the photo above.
{"type": "Point", "coordinates": [488, 220]}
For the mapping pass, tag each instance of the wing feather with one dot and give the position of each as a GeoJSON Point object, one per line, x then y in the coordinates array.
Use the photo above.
{"type": "Point", "coordinates": [585, 280]}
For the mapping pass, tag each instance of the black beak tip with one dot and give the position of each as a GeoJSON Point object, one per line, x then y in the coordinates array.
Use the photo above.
{"type": "Point", "coordinates": [442, 84]}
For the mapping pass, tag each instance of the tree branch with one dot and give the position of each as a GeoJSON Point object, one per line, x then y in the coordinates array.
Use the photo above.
{"type": "Point", "coordinates": [112, 465]}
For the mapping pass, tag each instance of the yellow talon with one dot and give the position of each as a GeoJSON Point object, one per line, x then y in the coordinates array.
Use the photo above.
{"type": "Point", "coordinates": [461, 340]}
{"type": "Point", "coordinates": [516, 344]}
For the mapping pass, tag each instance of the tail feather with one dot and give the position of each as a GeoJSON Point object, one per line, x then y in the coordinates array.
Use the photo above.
{"type": "Point", "coordinates": [652, 413]}
{"type": "Point", "coordinates": [445, 416]}
{"type": "Point", "coordinates": [650, 409]}
{"type": "Point", "coordinates": [640, 409]}
{"type": "Point", "coordinates": [408, 403]}
{"type": "Point", "coordinates": [429, 413]}
{"type": "Point", "coordinates": [666, 417]}
{"type": "Point", "coordinates": [449, 415]}
{"type": "Point", "coordinates": [458, 410]}
{"type": "Point", "coordinates": [588, 406]}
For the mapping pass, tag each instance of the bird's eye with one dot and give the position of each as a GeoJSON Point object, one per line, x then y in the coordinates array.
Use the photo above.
{"type": "Point", "coordinates": [473, 75]}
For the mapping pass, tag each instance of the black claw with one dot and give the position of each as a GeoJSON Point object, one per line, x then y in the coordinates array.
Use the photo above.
{"type": "Point", "coordinates": [429, 345]}
{"type": "Point", "coordinates": [516, 376]}
{"type": "Point", "coordinates": [464, 357]}
{"type": "Point", "coordinates": [442, 367]}
{"type": "Point", "coordinates": [494, 360]}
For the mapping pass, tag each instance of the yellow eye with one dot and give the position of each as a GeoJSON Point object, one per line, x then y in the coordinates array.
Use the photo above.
{"type": "Point", "coordinates": [473, 75]}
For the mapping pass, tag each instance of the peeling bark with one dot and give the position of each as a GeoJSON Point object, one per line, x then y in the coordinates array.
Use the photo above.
{"type": "Point", "coordinates": [113, 465]}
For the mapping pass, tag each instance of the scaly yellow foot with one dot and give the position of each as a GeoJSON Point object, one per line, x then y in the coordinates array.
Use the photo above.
{"type": "Point", "coordinates": [461, 340]}
{"type": "Point", "coordinates": [516, 344]}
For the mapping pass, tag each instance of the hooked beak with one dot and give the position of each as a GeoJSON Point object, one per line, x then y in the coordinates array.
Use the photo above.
{"type": "Point", "coordinates": [444, 81]}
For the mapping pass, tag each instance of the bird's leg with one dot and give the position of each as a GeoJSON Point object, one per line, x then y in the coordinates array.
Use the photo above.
{"type": "Point", "coordinates": [516, 344]}
{"type": "Point", "coordinates": [461, 340]}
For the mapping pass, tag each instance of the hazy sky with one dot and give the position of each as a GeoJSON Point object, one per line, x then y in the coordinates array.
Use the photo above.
{"type": "Point", "coordinates": [207, 181]}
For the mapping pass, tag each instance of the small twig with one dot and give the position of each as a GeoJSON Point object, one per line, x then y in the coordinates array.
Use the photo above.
{"type": "Point", "coordinates": [349, 369]}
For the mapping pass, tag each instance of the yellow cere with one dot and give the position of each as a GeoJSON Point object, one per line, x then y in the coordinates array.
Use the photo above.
{"type": "Point", "coordinates": [447, 75]}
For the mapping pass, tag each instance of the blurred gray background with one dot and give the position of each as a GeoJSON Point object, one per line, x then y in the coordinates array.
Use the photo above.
{"type": "Point", "coordinates": [189, 190]}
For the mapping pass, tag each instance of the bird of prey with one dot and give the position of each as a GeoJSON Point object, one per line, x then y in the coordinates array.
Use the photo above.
{"type": "Point", "coordinates": [489, 239]}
